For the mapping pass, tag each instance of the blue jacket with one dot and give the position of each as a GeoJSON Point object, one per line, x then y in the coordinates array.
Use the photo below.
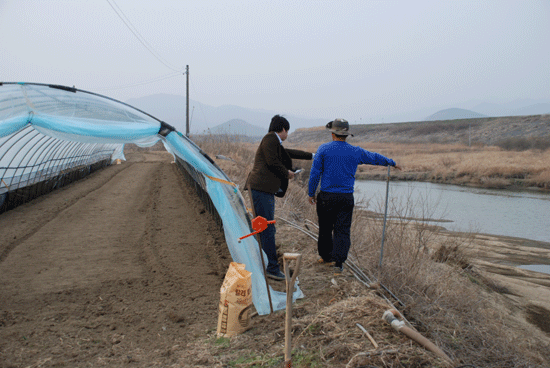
{"type": "Point", "coordinates": [335, 164]}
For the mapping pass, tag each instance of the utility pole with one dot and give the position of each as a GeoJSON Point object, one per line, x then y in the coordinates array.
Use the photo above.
{"type": "Point", "coordinates": [187, 105]}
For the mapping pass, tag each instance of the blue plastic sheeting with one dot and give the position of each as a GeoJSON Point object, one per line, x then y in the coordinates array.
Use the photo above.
{"type": "Point", "coordinates": [45, 129]}
{"type": "Point", "coordinates": [76, 116]}
{"type": "Point", "coordinates": [12, 125]}
{"type": "Point", "coordinates": [231, 208]}
{"type": "Point", "coordinates": [108, 132]}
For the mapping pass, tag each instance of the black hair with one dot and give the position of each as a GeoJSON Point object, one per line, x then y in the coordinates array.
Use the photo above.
{"type": "Point", "coordinates": [278, 123]}
{"type": "Point", "coordinates": [340, 136]}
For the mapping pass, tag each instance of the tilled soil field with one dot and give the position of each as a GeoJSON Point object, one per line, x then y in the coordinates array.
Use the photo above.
{"type": "Point", "coordinates": [122, 267]}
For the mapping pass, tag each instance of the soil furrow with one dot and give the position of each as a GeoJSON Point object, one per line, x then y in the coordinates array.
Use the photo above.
{"type": "Point", "coordinates": [122, 267]}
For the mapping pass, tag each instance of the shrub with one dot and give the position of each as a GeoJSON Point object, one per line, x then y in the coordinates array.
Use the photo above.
{"type": "Point", "coordinates": [525, 143]}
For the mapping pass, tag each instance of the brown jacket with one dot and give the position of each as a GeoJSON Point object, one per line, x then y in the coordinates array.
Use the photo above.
{"type": "Point", "coordinates": [271, 165]}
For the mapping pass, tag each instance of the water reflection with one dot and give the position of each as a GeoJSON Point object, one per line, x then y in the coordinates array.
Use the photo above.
{"type": "Point", "coordinates": [537, 268]}
{"type": "Point", "coordinates": [498, 212]}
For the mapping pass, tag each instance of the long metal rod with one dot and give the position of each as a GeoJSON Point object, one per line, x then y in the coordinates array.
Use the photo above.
{"type": "Point", "coordinates": [385, 217]}
{"type": "Point", "coordinates": [355, 270]}
{"type": "Point", "coordinates": [296, 226]}
{"type": "Point", "coordinates": [313, 223]}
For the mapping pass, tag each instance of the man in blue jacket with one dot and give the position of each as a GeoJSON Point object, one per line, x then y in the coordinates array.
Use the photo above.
{"type": "Point", "coordinates": [335, 165]}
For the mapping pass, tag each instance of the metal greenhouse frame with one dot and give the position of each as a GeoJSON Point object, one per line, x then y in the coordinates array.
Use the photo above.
{"type": "Point", "coordinates": [51, 135]}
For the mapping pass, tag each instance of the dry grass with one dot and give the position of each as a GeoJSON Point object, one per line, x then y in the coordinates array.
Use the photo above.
{"type": "Point", "coordinates": [445, 297]}
{"type": "Point", "coordinates": [430, 273]}
{"type": "Point", "coordinates": [482, 166]}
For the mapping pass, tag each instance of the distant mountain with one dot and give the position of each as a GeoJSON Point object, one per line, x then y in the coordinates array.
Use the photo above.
{"type": "Point", "coordinates": [453, 114]}
{"type": "Point", "coordinates": [536, 109]}
{"type": "Point", "coordinates": [508, 131]}
{"type": "Point", "coordinates": [237, 126]}
{"type": "Point", "coordinates": [523, 107]}
{"type": "Point", "coordinates": [492, 109]}
{"type": "Point", "coordinates": [171, 109]}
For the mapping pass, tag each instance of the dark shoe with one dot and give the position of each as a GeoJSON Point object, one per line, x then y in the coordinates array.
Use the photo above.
{"type": "Point", "coordinates": [338, 270]}
{"type": "Point", "coordinates": [323, 262]}
{"type": "Point", "coordinates": [279, 276]}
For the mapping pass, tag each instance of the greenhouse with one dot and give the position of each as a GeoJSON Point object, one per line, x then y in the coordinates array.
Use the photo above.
{"type": "Point", "coordinates": [52, 135]}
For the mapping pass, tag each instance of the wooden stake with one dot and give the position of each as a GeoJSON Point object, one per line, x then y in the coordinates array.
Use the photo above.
{"type": "Point", "coordinates": [287, 257]}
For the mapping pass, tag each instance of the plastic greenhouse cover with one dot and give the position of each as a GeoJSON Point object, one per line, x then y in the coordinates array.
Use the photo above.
{"type": "Point", "coordinates": [44, 118]}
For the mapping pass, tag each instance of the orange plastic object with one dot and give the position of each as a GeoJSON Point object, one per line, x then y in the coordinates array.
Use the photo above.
{"type": "Point", "coordinates": [259, 224]}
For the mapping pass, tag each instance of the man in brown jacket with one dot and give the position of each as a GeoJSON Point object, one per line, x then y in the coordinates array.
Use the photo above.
{"type": "Point", "coordinates": [269, 178]}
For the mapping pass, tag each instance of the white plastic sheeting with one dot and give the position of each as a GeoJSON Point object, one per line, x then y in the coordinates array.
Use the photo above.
{"type": "Point", "coordinates": [45, 129]}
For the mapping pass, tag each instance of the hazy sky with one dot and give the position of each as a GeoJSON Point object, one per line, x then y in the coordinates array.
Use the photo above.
{"type": "Point", "coordinates": [323, 59]}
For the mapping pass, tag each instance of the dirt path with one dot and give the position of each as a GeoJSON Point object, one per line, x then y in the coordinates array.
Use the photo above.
{"type": "Point", "coordinates": [124, 266]}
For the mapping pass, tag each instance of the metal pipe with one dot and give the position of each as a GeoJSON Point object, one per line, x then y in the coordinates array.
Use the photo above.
{"type": "Point", "coordinates": [296, 226]}
{"type": "Point", "coordinates": [390, 316]}
{"type": "Point", "coordinates": [313, 223]}
{"type": "Point", "coordinates": [385, 216]}
{"type": "Point", "coordinates": [356, 270]}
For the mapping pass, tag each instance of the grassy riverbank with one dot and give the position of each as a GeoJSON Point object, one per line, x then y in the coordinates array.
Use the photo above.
{"type": "Point", "coordinates": [443, 279]}
{"type": "Point", "coordinates": [503, 152]}
{"type": "Point", "coordinates": [479, 166]}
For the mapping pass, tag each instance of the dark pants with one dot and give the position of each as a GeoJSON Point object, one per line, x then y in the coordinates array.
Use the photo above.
{"type": "Point", "coordinates": [335, 211]}
{"type": "Point", "coordinates": [264, 205]}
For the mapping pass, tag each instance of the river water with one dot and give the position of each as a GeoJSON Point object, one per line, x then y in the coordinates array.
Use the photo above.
{"type": "Point", "coordinates": [498, 212]}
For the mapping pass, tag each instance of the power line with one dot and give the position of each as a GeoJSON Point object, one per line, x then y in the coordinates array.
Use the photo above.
{"type": "Point", "coordinates": [140, 38]}
{"type": "Point", "coordinates": [158, 79]}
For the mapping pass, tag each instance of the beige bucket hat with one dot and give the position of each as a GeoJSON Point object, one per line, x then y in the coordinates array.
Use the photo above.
{"type": "Point", "coordinates": [339, 127]}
